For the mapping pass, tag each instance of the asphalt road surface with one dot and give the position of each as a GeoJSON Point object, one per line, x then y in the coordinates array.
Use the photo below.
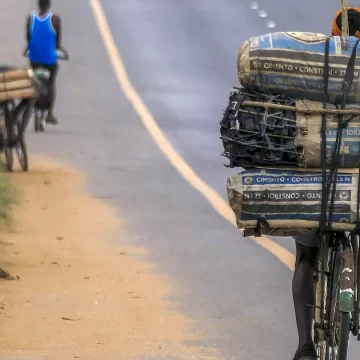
{"type": "Point", "coordinates": [180, 56]}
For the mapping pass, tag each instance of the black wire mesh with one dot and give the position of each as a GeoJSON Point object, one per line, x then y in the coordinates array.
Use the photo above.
{"type": "Point", "coordinates": [254, 136]}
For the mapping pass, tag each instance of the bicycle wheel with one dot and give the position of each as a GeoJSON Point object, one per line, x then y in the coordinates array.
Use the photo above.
{"type": "Point", "coordinates": [43, 117]}
{"type": "Point", "coordinates": [357, 305]}
{"type": "Point", "coordinates": [40, 120]}
{"type": "Point", "coordinates": [356, 314]}
{"type": "Point", "coordinates": [21, 151]}
{"type": "Point", "coordinates": [9, 157]}
{"type": "Point", "coordinates": [21, 148]}
{"type": "Point", "coordinates": [36, 121]}
{"type": "Point", "coordinates": [339, 322]}
{"type": "Point", "coordinates": [323, 298]}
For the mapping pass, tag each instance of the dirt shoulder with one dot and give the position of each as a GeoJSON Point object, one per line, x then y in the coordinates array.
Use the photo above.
{"type": "Point", "coordinates": [83, 292]}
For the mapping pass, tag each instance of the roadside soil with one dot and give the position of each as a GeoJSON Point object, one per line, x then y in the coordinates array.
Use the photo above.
{"type": "Point", "coordinates": [82, 291]}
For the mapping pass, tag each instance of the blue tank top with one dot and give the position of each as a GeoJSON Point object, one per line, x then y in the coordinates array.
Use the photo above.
{"type": "Point", "coordinates": [42, 45]}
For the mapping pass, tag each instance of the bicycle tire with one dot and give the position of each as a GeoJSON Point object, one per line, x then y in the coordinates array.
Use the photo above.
{"type": "Point", "coordinates": [357, 304]}
{"type": "Point", "coordinates": [322, 307]}
{"type": "Point", "coordinates": [21, 149]}
{"type": "Point", "coordinates": [9, 157]}
{"type": "Point", "coordinates": [43, 120]}
{"type": "Point", "coordinates": [22, 154]}
{"type": "Point", "coordinates": [344, 333]}
{"type": "Point", "coordinates": [356, 319]}
{"type": "Point", "coordinates": [339, 321]}
{"type": "Point", "coordinates": [36, 121]}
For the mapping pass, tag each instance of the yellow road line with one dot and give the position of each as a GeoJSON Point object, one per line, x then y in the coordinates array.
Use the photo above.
{"type": "Point", "coordinates": [217, 202]}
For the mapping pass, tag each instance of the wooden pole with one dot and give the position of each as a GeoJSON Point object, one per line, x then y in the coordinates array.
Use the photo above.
{"type": "Point", "coordinates": [345, 19]}
{"type": "Point", "coordinates": [300, 110]}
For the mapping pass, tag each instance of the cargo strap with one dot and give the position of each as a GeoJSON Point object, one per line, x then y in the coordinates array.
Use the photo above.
{"type": "Point", "coordinates": [261, 222]}
{"type": "Point", "coordinates": [357, 227]}
{"type": "Point", "coordinates": [329, 179]}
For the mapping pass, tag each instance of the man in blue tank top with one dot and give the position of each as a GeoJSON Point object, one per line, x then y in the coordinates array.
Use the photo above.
{"type": "Point", "coordinates": [43, 34]}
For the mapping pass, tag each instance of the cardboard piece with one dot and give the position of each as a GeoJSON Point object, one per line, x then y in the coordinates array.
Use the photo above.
{"type": "Point", "coordinates": [26, 93]}
{"type": "Point", "coordinates": [15, 75]}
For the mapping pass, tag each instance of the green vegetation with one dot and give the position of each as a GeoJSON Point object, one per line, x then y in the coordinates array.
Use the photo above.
{"type": "Point", "coordinates": [8, 197]}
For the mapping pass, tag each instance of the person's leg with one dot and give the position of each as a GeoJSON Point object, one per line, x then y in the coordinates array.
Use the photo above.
{"type": "Point", "coordinates": [303, 288]}
{"type": "Point", "coordinates": [52, 93]}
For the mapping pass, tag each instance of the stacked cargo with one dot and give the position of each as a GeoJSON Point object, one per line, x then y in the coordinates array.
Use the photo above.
{"type": "Point", "coordinates": [16, 84]}
{"type": "Point", "coordinates": [273, 126]}
{"type": "Point", "coordinates": [22, 83]}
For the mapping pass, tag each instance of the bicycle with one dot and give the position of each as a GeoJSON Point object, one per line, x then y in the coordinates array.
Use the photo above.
{"type": "Point", "coordinates": [337, 309]}
{"type": "Point", "coordinates": [41, 109]}
{"type": "Point", "coordinates": [7, 110]}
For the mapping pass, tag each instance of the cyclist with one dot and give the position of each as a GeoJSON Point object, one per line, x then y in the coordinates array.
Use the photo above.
{"type": "Point", "coordinates": [303, 285]}
{"type": "Point", "coordinates": [43, 34]}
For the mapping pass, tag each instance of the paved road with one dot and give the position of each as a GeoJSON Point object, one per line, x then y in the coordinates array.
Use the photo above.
{"type": "Point", "coordinates": [180, 56]}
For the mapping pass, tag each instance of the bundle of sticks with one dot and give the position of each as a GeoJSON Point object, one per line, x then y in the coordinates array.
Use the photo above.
{"type": "Point", "coordinates": [16, 84]}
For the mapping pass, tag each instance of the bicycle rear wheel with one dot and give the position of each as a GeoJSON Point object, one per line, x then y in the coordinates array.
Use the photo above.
{"type": "Point", "coordinates": [344, 332]}
{"type": "Point", "coordinates": [339, 322]}
{"type": "Point", "coordinates": [356, 314]}
{"type": "Point", "coordinates": [322, 299]}
{"type": "Point", "coordinates": [36, 121]}
{"type": "Point", "coordinates": [21, 151]}
{"type": "Point", "coordinates": [9, 158]}
{"type": "Point", "coordinates": [43, 120]}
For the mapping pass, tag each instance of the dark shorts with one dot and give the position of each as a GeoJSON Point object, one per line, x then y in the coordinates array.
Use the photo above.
{"type": "Point", "coordinates": [309, 240]}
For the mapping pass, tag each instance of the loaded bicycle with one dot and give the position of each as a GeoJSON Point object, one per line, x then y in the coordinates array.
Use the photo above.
{"type": "Point", "coordinates": [41, 106]}
{"type": "Point", "coordinates": [11, 133]}
{"type": "Point", "coordinates": [301, 162]}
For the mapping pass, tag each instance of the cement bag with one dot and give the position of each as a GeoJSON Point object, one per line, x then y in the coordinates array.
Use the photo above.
{"type": "Point", "coordinates": [292, 63]}
{"type": "Point", "coordinates": [257, 137]}
{"type": "Point", "coordinates": [290, 200]}
{"type": "Point", "coordinates": [309, 138]}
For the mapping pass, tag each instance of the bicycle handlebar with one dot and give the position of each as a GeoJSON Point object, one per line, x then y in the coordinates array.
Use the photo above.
{"type": "Point", "coordinates": [64, 55]}
{"type": "Point", "coordinates": [63, 58]}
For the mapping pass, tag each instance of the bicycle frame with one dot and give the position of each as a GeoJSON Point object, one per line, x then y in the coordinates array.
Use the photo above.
{"type": "Point", "coordinates": [320, 326]}
{"type": "Point", "coordinates": [40, 116]}
{"type": "Point", "coordinates": [349, 284]}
